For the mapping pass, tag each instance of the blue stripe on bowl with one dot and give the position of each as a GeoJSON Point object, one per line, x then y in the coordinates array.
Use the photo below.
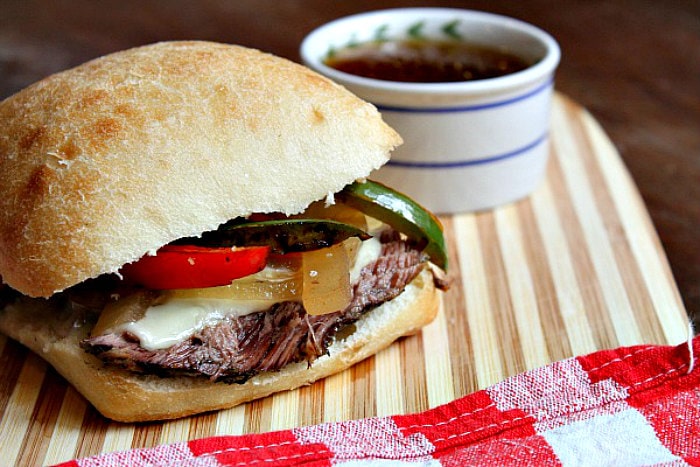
{"type": "Point", "coordinates": [456, 164]}
{"type": "Point", "coordinates": [469, 108]}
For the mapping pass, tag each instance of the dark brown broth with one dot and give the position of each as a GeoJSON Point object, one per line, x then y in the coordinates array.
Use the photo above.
{"type": "Point", "coordinates": [421, 61]}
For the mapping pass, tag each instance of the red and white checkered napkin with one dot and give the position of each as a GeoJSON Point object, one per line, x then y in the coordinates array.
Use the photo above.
{"type": "Point", "coordinates": [625, 407]}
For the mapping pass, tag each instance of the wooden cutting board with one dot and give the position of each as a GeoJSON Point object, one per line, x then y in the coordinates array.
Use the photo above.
{"type": "Point", "coordinates": [574, 268]}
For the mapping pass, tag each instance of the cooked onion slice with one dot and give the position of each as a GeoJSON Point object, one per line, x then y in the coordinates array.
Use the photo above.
{"type": "Point", "coordinates": [326, 280]}
{"type": "Point", "coordinates": [337, 212]}
{"type": "Point", "coordinates": [279, 282]}
{"type": "Point", "coordinates": [126, 310]}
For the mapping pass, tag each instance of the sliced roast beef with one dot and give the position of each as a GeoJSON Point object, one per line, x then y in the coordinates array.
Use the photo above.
{"type": "Point", "coordinates": [237, 348]}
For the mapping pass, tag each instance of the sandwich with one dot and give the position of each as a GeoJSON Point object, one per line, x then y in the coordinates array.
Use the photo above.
{"type": "Point", "coordinates": [187, 226]}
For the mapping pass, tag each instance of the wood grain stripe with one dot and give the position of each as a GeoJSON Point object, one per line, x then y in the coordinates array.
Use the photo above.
{"type": "Point", "coordinates": [565, 316]}
{"type": "Point", "coordinates": [285, 410]}
{"type": "Point", "coordinates": [461, 350]}
{"type": "Point", "coordinates": [231, 421]}
{"type": "Point", "coordinates": [591, 312]}
{"type": "Point", "coordinates": [667, 304]}
{"type": "Point", "coordinates": [508, 345]}
{"type": "Point", "coordinates": [640, 301]}
{"type": "Point", "coordinates": [64, 441]}
{"type": "Point", "coordinates": [93, 431]}
{"type": "Point", "coordinates": [11, 361]}
{"type": "Point", "coordinates": [557, 343]}
{"type": "Point", "coordinates": [637, 295]}
{"type": "Point", "coordinates": [364, 401]}
{"type": "Point", "coordinates": [311, 404]}
{"type": "Point", "coordinates": [438, 364]}
{"type": "Point", "coordinates": [43, 419]}
{"type": "Point", "coordinates": [146, 435]}
{"type": "Point", "coordinates": [413, 374]}
{"type": "Point", "coordinates": [339, 390]}
{"type": "Point", "coordinates": [484, 334]}
{"type": "Point", "coordinates": [20, 406]}
{"type": "Point", "coordinates": [596, 238]}
{"type": "Point", "coordinates": [118, 437]}
{"type": "Point", "coordinates": [523, 305]}
{"type": "Point", "coordinates": [255, 416]}
{"type": "Point", "coordinates": [389, 381]}
{"type": "Point", "coordinates": [175, 430]}
{"type": "Point", "coordinates": [202, 426]}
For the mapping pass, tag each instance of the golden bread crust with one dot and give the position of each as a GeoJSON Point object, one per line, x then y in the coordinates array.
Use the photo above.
{"type": "Point", "coordinates": [112, 159]}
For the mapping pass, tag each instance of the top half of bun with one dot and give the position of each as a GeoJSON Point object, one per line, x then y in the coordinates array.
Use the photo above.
{"type": "Point", "coordinates": [105, 162]}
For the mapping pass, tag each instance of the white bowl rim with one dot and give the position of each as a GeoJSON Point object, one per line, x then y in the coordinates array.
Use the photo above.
{"type": "Point", "coordinates": [534, 73]}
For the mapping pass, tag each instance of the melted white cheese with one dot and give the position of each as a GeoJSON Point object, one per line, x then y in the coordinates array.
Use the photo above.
{"type": "Point", "coordinates": [367, 253]}
{"type": "Point", "coordinates": [175, 319]}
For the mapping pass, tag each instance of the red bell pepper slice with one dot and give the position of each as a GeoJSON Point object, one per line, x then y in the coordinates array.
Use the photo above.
{"type": "Point", "coordinates": [189, 266]}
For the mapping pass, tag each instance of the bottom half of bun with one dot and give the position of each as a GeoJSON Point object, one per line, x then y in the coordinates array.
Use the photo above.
{"type": "Point", "coordinates": [130, 397]}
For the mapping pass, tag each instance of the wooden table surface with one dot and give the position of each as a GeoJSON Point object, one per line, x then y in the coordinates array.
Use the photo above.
{"type": "Point", "coordinates": [635, 65]}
